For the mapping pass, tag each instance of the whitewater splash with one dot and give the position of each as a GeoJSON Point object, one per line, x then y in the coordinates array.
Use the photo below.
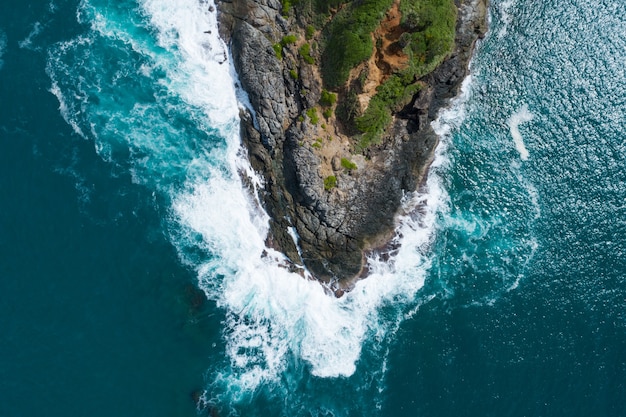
{"type": "Point", "coordinates": [516, 119]}
{"type": "Point", "coordinates": [154, 90]}
{"type": "Point", "coordinates": [504, 9]}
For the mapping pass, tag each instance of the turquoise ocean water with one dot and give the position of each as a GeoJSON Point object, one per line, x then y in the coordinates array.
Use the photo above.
{"type": "Point", "coordinates": [131, 275]}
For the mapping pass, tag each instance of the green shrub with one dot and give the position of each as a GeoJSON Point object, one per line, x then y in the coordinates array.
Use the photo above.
{"type": "Point", "coordinates": [373, 123]}
{"type": "Point", "coordinates": [278, 49]}
{"type": "Point", "coordinates": [330, 182]}
{"type": "Point", "coordinates": [328, 99]}
{"type": "Point", "coordinates": [348, 164]}
{"type": "Point", "coordinates": [293, 74]}
{"type": "Point", "coordinates": [309, 32]}
{"type": "Point", "coordinates": [348, 40]}
{"type": "Point", "coordinates": [305, 53]}
{"type": "Point", "coordinates": [432, 24]}
{"type": "Point", "coordinates": [286, 7]}
{"type": "Point", "coordinates": [288, 39]}
{"type": "Point", "coordinates": [312, 113]}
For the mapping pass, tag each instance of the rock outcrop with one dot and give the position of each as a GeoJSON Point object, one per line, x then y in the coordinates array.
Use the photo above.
{"type": "Point", "coordinates": [335, 224]}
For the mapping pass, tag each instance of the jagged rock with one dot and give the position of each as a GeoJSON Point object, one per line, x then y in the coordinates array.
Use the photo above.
{"type": "Point", "coordinates": [335, 226]}
{"type": "Point", "coordinates": [423, 99]}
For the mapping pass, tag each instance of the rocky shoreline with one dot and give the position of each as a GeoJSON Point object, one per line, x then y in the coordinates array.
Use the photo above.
{"type": "Point", "coordinates": [335, 226]}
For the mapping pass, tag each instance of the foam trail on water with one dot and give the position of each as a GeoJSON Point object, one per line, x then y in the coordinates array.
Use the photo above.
{"type": "Point", "coordinates": [517, 118]}
{"type": "Point", "coordinates": [3, 45]}
{"type": "Point", "coordinates": [27, 43]}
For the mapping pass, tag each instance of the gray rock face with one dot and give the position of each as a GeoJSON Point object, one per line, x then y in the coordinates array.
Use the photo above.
{"type": "Point", "coordinates": [336, 226]}
{"type": "Point", "coordinates": [261, 76]}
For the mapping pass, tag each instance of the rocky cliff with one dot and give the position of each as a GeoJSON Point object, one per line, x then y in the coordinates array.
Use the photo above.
{"type": "Point", "coordinates": [340, 202]}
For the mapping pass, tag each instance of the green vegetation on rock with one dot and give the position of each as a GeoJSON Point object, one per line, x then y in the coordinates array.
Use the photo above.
{"type": "Point", "coordinates": [391, 96]}
{"type": "Point", "coordinates": [286, 6]}
{"type": "Point", "coordinates": [286, 40]}
{"type": "Point", "coordinates": [328, 99]}
{"type": "Point", "coordinates": [330, 182]}
{"type": "Point", "coordinates": [312, 113]}
{"type": "Point", "coordinates": [305, 53]}
{"type": "Point", "coordinates": [428, 28]}
{"type": "Point", "coordinates": [348, 164]}
{"type": "Point", "coordinates": [278, 49]}
{"type": "Point", "coordinates": [310, 31]}
{"type": "Point", "coordinates": [317, 144]}
{"type": "Point", "coordinates": [430, 25]}
{"type": "Point", "coordinates": [348, 40]}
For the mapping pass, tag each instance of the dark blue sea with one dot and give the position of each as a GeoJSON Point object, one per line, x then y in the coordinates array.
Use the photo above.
{"type": "Point", "coordinates": [132, 281]}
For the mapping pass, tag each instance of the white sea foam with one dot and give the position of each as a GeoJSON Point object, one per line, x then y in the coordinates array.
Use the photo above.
{"type": "Point", "coordinates": [275, 314]}
{"type": "Point", "coordinates": [505, 16]}
{"type": "Point", "coordinates": [183, 25]}
{"type": "Point", "coordinates": [68, 112]}
{"type": "Point", "coordinates": [517, 118]}
{"type": "Point", "coordinates": [3, 45]}
{"type": "Point", "coordinates": [27, 43]}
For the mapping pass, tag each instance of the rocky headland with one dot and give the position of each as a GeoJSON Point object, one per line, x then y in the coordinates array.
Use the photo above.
{"type": "Point", "coordinates": [338, 192]}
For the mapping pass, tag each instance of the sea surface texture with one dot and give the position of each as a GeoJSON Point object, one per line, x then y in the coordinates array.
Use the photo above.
{"type": "Point", "coordinates": [134, 280]}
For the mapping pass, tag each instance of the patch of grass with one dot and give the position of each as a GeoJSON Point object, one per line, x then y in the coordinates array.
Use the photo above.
{"type": "Point", "coordinates": [328, 99]}
{"type": "Point", "coordinates": [288, 39]}
{"type": "Point", "coordinates": [278, 50]}
{"type": "Point", "coordinates": [309, 32]}
{"type": "Point", "coordinates": [330, 182]}
{"type": "Point", "coordinates": [287, 6]}
{"type": "Point", "coordinates": [348, 164]}
{"type": "Point", "coordinates": [293, 74]}
{"type": "Point", "coordinates": [305, 53]}
{"type": "Point", "coordinates": [312, 113]}
{"type": "Point", "coordinates": [317, 144]}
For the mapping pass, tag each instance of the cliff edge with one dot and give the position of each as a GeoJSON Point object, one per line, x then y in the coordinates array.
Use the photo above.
{"type": "Point", "coordinates": [323, 180]}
